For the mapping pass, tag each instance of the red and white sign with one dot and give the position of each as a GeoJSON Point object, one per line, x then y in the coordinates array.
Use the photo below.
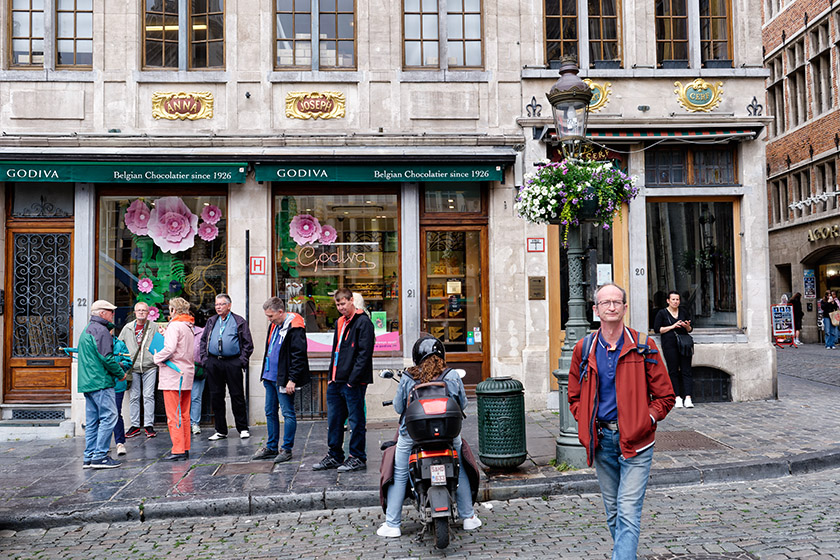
{"type": "Point", "coordinates": [257, 265]}
{"type": "Point", "coordinates": [536, 244]}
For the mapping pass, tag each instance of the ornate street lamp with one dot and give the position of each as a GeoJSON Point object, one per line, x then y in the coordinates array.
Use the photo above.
{"type": "Point", "coordinates": [569, 98]}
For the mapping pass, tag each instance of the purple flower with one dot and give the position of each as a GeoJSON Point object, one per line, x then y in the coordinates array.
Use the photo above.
{"type": "Point", "coordinates": [305, 229]}
{"type": "Point", "coordinates": [328, 235]}
{"type": "Point", "coordinates": [145, 285]}
{"type": "Point", "coordinates": [137, 218]}
{"type": "Point", "coordinates": [211, 214]}
{"type": "Point", "coordinates": [207, 232]}
{"type": "Point", "coordinates": [154, 314]}
{"type": "Point", "coordinates": [172, 226]}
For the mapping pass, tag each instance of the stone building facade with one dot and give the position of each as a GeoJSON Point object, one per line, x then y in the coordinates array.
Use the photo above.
{"type": "Point", "coordinates": [403, 130]}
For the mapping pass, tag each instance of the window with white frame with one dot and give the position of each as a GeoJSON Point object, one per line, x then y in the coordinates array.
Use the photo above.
{"type": "Point", "coordinates": [775, 204]}
{"type": "Point", "coordinates": [821, 68]}
{"type": "Point", "coordinates": [323, 41]}
{"type": "Point", "coordinates": [51, 34]}
{"type": "Point", "coordinates": [801, 183]}
{"type": "Point", "coordinates": [796, 83]}
{"type": "Point", "coordinates": [771, 8]}
{"type": "Point", "coordinates": [825, 175]}
{"type": "Point", "coordinates": [441, 34]}
{"type": "Point", "coordinates": [776, 94]}
{"type": "Point", "coordinates": [184, 35]}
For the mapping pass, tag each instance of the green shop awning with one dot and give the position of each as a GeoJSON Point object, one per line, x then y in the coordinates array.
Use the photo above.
{"type": "Point", "coordinates": [122, 172]}
{"type": "Point", "coordinates": [386, 173]}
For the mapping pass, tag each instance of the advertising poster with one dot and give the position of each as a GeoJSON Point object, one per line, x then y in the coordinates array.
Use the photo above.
{"type": "Point", "coordinates": [782, 317]}
{"type": "Point", "coordinates": [809, 281]}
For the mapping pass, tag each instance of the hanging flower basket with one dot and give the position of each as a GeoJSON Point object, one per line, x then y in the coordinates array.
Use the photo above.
{"type": "Point", "coordinates": [568, 193]}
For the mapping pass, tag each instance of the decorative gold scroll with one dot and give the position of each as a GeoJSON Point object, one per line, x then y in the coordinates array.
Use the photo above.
{"type": "Point", "coordinates": [182, 105]}
{"type": "Point", "coordinates": [699, 95]}
{"type": "Point", "coordinates": [315, 105]}
{"type": "Point", "coordinates": [600, 94]}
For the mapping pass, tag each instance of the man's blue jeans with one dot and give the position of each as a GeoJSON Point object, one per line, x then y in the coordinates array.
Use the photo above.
{"type": "Point", "coordinates": [623, 483]}
{"type": "Point", "coordinates": [830, 332]}
{"type": "Point", "coordinates": [275, 396]}
{"type": "Point", "coordinates": [346, 403]}
{"type": "Point", "coordinates": [100, 419]}
{"type": "Point", "coordinates": [195, 400]}
{"type": "Point", "coordinates": [396, 492]}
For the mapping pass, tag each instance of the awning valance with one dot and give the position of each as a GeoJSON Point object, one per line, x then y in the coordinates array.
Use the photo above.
{"type": "Point", "coordinates": [388, 173]}
{"type": "Point", "coordinates": [121, 172]}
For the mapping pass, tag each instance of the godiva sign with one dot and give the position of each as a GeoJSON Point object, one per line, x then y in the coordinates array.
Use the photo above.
{"type": "Point", "coordinates": [379, 173]}
{"type": "Point", "coordinates": [123, 172]}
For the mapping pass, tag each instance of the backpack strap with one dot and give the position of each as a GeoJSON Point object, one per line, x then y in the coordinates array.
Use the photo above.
{"type": "Point", "coordinates": [584, 356]}
{"type": "Point", "coordinates": [643, 348]}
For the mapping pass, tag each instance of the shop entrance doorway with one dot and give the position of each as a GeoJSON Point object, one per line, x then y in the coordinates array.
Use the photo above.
{"type": "Point", "coordinates": [38, 313]}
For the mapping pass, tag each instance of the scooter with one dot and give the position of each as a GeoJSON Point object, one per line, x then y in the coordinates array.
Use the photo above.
{"type": "Point", "coordinates": [433, 421]}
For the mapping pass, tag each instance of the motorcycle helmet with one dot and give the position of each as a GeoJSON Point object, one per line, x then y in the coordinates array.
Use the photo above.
{"type": "Point", "coordinates": [426, 346]}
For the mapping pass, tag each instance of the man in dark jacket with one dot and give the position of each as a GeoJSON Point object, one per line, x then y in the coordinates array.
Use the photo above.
{"type": "Point", "coordinates": [285, 367]}
{"type": "Point", "coordinates": [351, 370]}
{"type": "Point", "coordinates": [98, 373]}
{"type": "Point", "coordinates": [224, 349]}
{"type": "Point", "coordinates": [618, 395]}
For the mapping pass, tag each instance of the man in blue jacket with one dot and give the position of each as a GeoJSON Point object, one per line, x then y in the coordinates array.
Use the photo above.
{"type": "Point", "coordinates": [351, 370]}
{"type": "Point", "coordinates": [98, 373]}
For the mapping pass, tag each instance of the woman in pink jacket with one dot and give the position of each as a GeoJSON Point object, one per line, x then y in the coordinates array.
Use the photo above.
{"type": "Point", "coordinates": [178, 349]}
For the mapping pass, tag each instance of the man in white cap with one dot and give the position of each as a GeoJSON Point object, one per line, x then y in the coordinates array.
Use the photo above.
{"type": "Point", "coordinates": [98, 373]}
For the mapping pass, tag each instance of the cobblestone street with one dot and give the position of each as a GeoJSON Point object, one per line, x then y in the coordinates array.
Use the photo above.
{"type": "Point", "coordinates": [792, 517]}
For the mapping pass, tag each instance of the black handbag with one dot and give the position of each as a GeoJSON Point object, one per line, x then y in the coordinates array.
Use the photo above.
{"type": "Point", "coordinates": [685, 344]}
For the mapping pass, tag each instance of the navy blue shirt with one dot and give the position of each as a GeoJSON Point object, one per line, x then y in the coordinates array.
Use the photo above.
{"type": "Point", "coordinates": [607, 361]}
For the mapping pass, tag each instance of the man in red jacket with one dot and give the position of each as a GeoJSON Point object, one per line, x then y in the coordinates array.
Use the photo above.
{"type": "Point", "coordinates": [617, 397]}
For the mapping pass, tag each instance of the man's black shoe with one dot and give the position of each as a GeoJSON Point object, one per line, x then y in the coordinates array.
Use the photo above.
{"type": "Point", "coordinates": [132, 432]}
{"type": "Point", "coordinates": [352, 464]}
{"type": "Point", "coordinates": [264, 453]}
{"type": "Point", "coordinates": [326, 463]}
{"type": "Point", "coordinates": [176, 457]}
{"type": "Point", "coordinates": [150, 432]}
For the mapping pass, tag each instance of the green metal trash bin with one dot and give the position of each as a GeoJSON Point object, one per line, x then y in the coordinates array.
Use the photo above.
{"type": "Point", "coordinates": [501, 422]}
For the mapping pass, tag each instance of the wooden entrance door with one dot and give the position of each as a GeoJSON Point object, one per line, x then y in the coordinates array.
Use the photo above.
{"type": "Point", "coordinates": [38, 313]}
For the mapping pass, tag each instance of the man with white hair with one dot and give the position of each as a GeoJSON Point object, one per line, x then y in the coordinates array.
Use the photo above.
{"type": "Point", "coordinates": [138, 335]}
{"type": "Point", "coordinates": [98, 373]}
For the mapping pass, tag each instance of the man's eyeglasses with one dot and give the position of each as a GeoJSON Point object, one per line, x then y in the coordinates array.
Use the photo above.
{"type": "Point", "coordinates": [610, 303]}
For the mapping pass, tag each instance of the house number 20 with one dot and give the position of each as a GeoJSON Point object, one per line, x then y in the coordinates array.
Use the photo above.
{"type": "Point", "coordinates": [640, 272]}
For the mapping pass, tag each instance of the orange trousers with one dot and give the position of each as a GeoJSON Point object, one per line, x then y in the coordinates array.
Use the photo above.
{"type": "Point", "coordinates": [180, 435]}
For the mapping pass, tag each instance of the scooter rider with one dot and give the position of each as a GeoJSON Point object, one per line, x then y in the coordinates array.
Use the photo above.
{"type": "Point", "coordinates": [428, 355]}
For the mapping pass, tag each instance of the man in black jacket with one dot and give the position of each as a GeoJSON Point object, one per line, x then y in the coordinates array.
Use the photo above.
{"type": "Point", "coordinates": [224, 349]}
{"type": "Point", "coordinates": [351, 370]}
{"type": "Point", "coordinates": [285, 367]}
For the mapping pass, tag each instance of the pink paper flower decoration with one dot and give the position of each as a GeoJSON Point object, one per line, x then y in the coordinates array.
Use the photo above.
{"type": "Point", "coordinates": [172, 226]}
{"type": "Point", "coordinates": [145, 285]}
{"type": "Point", "coordinates": [328, 235]}
{"type": "Point", "coordinates": [208, 232]}
{"type": "Point", "coordinates": [137, 218]}
{"type": "Point", "coordinates": [305, 229]}
{"type": "Point", "coordinates": [154, 314]}
{"type": "Point", "coordinates": [211, 214]}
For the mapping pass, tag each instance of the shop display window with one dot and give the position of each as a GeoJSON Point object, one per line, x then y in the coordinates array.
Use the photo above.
{"type": "Point", "coordinates": [691, 249]}
{"type": "Point", "coordinates": [155, 248]}
{"type": "Point", "coordinates": [449, 198]}
{"type": "Point", "coordinates": [326, 242]}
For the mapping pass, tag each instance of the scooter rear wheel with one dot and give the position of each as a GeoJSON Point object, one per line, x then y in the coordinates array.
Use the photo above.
{"type": "Point", "coordinates": [441, 532]}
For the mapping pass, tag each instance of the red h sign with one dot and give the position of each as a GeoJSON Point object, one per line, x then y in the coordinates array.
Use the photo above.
{"type": "Point", "coordinates": [257, 265]}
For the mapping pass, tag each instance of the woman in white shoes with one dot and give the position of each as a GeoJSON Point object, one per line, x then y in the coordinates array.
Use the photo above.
{"type": "Point", "coordinates": [428, 355]}
{"type": "Point", "coordinates": [668, 323]}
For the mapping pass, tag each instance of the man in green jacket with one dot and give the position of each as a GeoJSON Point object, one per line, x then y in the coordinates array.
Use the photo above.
{"type": "Point", "coordinates": [98, 373]}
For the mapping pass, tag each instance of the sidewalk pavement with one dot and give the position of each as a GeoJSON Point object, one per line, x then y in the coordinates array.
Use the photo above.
{"type": "Point", "coordinates": [43, 484]}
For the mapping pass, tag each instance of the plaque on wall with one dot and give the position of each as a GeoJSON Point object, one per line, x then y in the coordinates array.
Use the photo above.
{"type": "Point", "coordinates": [315, 105]}
{"type": "Point", "coordinates": [182, 105]}
{"type": "Point", "coordinates": [699, 95]}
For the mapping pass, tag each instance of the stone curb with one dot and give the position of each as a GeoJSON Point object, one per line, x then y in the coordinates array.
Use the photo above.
{"type": "Point", "coordinates": [565, 484]}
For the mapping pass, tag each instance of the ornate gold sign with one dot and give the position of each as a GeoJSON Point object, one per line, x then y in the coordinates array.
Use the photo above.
{"type": "Point", "coordinates": [699, 95]}
{"type": "Point", "coordinates": [600, 95]}
{"type": "Point", "coordinates": [182, 105]}
{"type": "Point", "coordinates": [315, 105]}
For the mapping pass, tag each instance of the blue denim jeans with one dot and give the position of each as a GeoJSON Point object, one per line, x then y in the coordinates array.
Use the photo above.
{"type": "Point", "coordinates": [195, 400]}
{"type": "Point", "coordinates": [100, 419]}
{"type": "Point", "coordinates": [346, 403]}
{"type": "Point", "coordinates": [276, 396]}
{"type": "Point", "coordinates": [830, 332]}
{"type": "Point", "coordinates": [396, 493]}
{"type": "Point", "coordinates": [623, 483]}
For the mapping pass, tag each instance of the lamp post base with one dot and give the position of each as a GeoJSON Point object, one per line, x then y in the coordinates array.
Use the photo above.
{"type": "Point", "coordinates": [571, 452]}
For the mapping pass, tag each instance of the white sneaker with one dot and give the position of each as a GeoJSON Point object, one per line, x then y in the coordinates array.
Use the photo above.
{"type": "Point", "coordinates": [387, 531]}
{"type": "Point", "coordinates": [688, 403]}
{"type": "Point", "coordinates": [196, 429]}
{"type": "Point", "coordinates": [121, 449]}
{"type": "Point", "coordinates": [217, 436]}
{"type": "Point", "coordinates": [244, 434]}
{"type": "Point", "coordinates": [679, 403]}
{"type": "Point", "coordinates": [472, 523]}
{"type": "Point", "coordinates": [797, 342]}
